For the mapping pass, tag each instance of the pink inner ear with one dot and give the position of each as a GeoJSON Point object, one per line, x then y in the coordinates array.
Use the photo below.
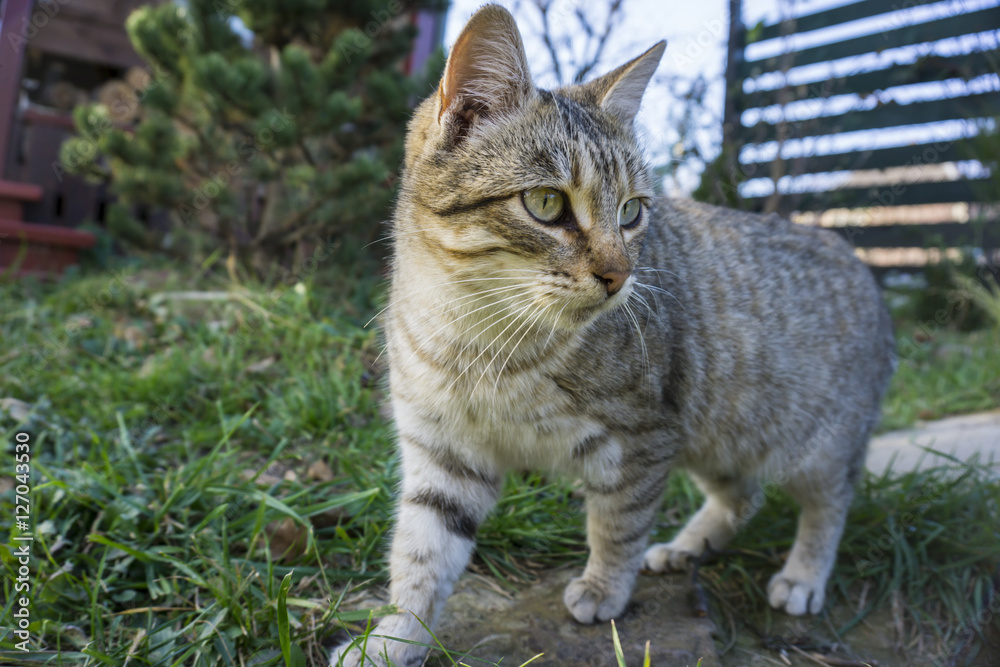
{"type": "Point", "coordinates": [624, 94]}
{"type": "Point", "coordinates": [449, 86]}
{"type": "Point", "coordinates": [487, 65]}
{"type": "Point", "coordinates": [442, 101]}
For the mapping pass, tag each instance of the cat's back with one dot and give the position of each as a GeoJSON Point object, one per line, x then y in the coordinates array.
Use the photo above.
{"type": "Point", "coordinates": [749, 241]}
{"type": "Point", "coordinates": [764, 265]}
{"type": "Point", "coordinates": [774, 316]}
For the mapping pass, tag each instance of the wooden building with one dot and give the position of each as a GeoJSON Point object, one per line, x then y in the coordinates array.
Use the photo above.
{"type": "Point", "coordinates": [55, 54]}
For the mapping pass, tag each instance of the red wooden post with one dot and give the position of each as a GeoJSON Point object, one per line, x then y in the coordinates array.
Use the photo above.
{"type": "Point", "coordinates": [14, 16]}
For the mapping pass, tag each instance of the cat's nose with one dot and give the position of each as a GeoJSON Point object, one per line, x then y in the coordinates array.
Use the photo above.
{"type": "Point", "coordinates": [613, 280]}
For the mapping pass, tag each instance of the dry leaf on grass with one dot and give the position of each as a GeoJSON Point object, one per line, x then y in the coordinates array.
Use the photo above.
{"type": "Point", "coordinates": [330, 517]}
{"type": "Point", "coordinates": [288, 539]}
{"type": "Point", "coordinates": [16, 408]}
{"type": "Point", "coordinates": [148, 367]}
{"type": "Point", "coordinates": [319, 471]}
{"type": "Point", "coordinates": [274, 474]}
{"type": "Point", "coordinates": [260, 366]}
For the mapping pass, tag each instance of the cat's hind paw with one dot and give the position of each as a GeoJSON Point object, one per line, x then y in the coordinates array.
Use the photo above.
{"type": "Point", "coordinates": [796, 597]}
{"type": "Point", "coordinates": [588, 602]}
{"type": "Point", "coordinates": [662, 558]}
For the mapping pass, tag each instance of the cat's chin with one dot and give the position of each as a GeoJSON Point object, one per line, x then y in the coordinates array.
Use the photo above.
{"type": "Point", "coordinates": [580, 316]}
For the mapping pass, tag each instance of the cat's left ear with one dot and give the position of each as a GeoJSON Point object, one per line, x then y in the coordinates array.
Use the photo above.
{"type": "Point", "coordinates": [487, 73]}
{"type": "Point", "coordinates": [620, 91]}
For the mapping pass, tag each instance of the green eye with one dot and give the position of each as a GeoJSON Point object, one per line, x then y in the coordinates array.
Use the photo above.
{"type": "Point", "coordinates": [544, 204]}
{"type": "Point", "coordinates": [630, 214]}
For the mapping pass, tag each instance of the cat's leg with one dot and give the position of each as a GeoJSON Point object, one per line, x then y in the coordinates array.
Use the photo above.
{"type": "Point", "coordinates": [824, 496]}
{"type": "Point", "coordinates": [821, 481]}
{"type": "Point", "coordinates": [443, 500]}
{"type": "Point", "coordinates": [620, 513]}
{"type": "Point", "coordinates": [727, 507]}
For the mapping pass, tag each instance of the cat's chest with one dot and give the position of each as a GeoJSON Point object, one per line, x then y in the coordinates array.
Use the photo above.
{"type": "Point", "coordinates": [523, 420]}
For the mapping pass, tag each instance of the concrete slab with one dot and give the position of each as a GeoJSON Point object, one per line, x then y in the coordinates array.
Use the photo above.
{"type": "Point", "coordinates": [962, 437]}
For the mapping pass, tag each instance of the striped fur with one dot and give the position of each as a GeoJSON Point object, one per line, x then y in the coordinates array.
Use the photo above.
{"type": "Point", "coordinates": [740, 347]}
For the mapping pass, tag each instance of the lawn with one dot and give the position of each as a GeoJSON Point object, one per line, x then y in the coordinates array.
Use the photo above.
{"type": "Point", "coordinates": [211, 473]}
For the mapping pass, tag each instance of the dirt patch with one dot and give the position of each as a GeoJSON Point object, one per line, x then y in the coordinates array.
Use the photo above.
{"type": "Point", "coordinates": [492, 625]}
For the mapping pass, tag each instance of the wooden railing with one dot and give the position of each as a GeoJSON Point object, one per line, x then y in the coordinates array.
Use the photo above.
{"type": "Point", "coordinates": [794, 96]}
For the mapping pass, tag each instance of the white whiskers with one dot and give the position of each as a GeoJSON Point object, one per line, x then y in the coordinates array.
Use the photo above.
{"type": "Point", "coordinates": [530, 323]}
{"type": "Point", "coordinates": [638, 330]}
{"type": "Point", "coordinates": [489, 345]}
{"type": "Point", "coordinates": [448, 283]}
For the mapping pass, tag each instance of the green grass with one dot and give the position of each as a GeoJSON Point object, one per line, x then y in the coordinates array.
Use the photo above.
{"type": "Point", "coordinates": [181, 516]}
{"type": "Point", "coordinates": [929, 538]}
{"type": "Point", "coordinates": [943, 371]}
{"type": "Point", "coordinates": [950, 373]}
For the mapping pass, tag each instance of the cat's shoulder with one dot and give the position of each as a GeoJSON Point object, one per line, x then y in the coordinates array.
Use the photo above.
{"type": "Point", "coordinates": [771, 239]}
{"type": "Point", "coordinates": [695, 212]}
{"type": "Point", "coordinates": [723, 221]}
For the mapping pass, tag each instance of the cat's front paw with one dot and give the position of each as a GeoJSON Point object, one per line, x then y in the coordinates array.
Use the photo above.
{"type": "Point", "coordinates": [796, 597]}
{"type": "Point", "coordinates": [589, 602]}
{"type": "Point", "coordinates": [381, 652]}
{"type": "Point", "coordinates": [347, 655]}
{"type": "Point", "coordinates": [661, 558]}
{"type": "Point", "coordinates": [375, 654]}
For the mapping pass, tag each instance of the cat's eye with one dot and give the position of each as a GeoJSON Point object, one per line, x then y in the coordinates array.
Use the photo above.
{"type": "Point", "coordinates": [630, 214]}
{"type": "Point", "coordinates": [544, 204]}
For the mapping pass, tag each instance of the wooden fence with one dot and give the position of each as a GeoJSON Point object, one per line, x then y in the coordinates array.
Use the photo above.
{"type": "Point", "coordinates": [899, 181]}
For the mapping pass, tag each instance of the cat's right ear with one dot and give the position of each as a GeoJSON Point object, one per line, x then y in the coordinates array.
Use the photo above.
{"type": "Point", "coordinates": [487, 74]}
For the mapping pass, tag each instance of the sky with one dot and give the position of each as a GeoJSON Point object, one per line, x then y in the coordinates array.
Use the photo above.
{"type": "Point", "coordinates": [696, 33]}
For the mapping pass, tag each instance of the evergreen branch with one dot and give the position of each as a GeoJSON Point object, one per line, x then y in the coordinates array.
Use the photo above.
{"type": "Point", "coordinates": [305, 152]}
{"type": "Point", "coordinates": [290, 223]}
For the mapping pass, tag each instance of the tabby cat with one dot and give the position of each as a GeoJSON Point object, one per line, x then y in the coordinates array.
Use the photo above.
{"type": "Point", "coordinates": [547, 310]}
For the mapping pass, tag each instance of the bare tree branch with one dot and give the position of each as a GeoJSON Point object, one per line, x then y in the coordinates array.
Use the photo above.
{"type": "Point", "coordinates": [614, 10]}
{"type": "Point", "coordinates": [543, 9]}
{"type": "Point", "coordinates": [561, 28]}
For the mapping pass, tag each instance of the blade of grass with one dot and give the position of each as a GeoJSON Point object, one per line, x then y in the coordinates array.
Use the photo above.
{"type": "Point", "coordinates": [619, 654]}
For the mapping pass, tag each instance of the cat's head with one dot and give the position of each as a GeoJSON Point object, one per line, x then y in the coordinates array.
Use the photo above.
{"type": "Point", "coordinates": [506, 183]}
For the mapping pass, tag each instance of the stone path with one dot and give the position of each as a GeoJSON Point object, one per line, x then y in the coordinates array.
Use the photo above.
{"type": "Point", "coordinates": [963, 437]}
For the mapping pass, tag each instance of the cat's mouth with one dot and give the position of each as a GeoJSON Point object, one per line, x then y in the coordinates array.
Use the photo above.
{"type": "Point", "coordinates": [582, 311]}
{"type": "Point", "coordinates": [558, 301]}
